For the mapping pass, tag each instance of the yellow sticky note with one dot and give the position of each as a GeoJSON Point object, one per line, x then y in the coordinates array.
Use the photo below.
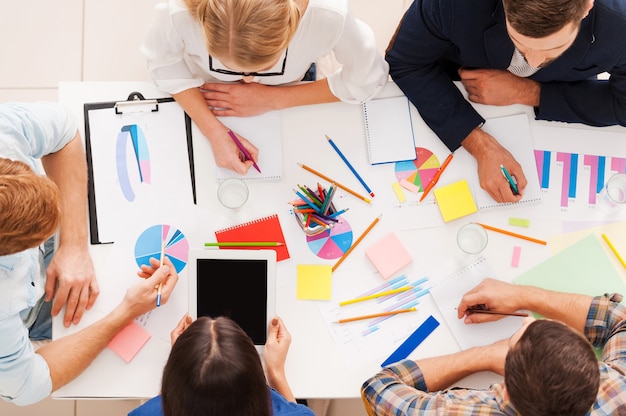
{"type": "Point", "coordinates": [314, 282]}
{"type": "Point", "coordinates": [455, 200]}
{"type": "Point", "coordinates": [398, 191]}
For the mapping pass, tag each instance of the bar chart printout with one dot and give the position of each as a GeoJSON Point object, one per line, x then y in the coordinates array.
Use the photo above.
{"type": "Point", "coordinates": [571, 183]}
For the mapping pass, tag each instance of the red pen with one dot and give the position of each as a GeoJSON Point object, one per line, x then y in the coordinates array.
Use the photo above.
{"type": "Point", "coordinates": [432, 183]}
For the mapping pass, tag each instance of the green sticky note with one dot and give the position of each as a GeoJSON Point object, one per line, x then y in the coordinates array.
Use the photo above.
{"type": "Point", "coordinates": [314, 282]}
{"type": "Point", "coordinates": [519, 222]}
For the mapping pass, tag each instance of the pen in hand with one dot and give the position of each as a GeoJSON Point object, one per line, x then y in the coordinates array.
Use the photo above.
{"type": "Point", "coordinates": [243, 150]}
{"type": "Point", "coordinates": [510, 179]}
{"type": "Point", "coordinates": [483, 309]}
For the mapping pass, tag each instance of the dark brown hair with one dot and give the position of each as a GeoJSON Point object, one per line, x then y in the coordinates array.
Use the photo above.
{"type": "Point", "coordinates": [30, 207]}
{"type": "Point", "coordinates": [551, 371]}
{"type": "Point", "coordinates": [214, 369]}
{"type": "Point", "coordinates": [541, 18]}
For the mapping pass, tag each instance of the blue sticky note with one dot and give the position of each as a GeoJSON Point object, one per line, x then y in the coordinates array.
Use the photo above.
{"type": "Point", "coordinates": [413, 341]}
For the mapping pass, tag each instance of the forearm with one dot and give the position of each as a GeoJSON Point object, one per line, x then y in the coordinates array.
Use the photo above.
{"type": "Point", "coordinates": [278, 381]}
{"type": "Point", "coordinates": [193, 103]}
{"type": "Point", "coordinates": [306, 93]}
{"type": "Point", "coordinates": [569, 308]}
{"type": "Point", "coordinates": [68, 169]}
{"type": "Point", "coordinates": [68, 357]}
{"type": "Point", "coordinates": [443, 371]}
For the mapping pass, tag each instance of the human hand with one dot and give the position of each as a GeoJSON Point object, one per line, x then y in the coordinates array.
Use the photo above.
{"type": "Point", "coordinates": [182, 325]}
{"type": "Point", "coordinates": [499, 87]}
{"type": "Point", "coordinates": [489, 156]}
{"type": "Point", "coordinates": [238, 99]}
{"type": "Point", "coordinates": [228, 155]}
{"type": "Point", "coordinates": [276, 348]}
{"type": "Point", "coordinates": [141, 297]}
{"type": "Point", "coordinates": [493, 294]}
{"type": "Point", "coordinates": [71, 275]}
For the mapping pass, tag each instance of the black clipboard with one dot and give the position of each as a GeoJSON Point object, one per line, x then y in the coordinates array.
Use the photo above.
{"type": "Point", "coordinates": [135, 104]}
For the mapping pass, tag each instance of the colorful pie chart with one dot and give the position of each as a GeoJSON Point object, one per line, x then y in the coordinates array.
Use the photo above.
{"type": "Point", "coordinates": [149, 245]}
{"type": "Point", "coordinates": [421, 171]}
{"type": "Point", "coordinates": [333, 243]}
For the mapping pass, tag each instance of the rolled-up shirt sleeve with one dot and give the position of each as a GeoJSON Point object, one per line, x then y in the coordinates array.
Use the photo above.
{"type": "Point", "coordinates": [24, 374]}
{"type": "Point", "coordinates": [606, 328]}
{"type": "Point", "coordinates": [363, 71]}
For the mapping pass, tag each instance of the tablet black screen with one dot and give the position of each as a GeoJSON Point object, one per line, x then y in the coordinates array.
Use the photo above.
{"type": "Point", "coordinates": [237, 289]}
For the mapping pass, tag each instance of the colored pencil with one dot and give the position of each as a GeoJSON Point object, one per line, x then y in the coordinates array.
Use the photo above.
{"type": "Point", "coordinates": [375, 315]}
{"type": "Point", "coordinates": [614, 250]}
{"type": "Point", "coordinates": [345, 188]}
{"type": "Point", "coordinates": [245, 244]}
{"type": "Point", "coordinates": [358, 240]}
{"type": "Point", "coordinates": [159, 289]}
{"type": "Point", "coordinates": [356, 174]}
{"type": "Point", "coordinates": [243, 149]}
{"type": "Point", "coordinates": [523, 237]}
{"type": "Point", "coordinates": [432, 183]}
{"type": "Point", "coordinates": [375, 295]}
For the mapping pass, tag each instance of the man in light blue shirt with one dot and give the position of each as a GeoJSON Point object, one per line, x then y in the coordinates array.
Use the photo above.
{"type": "Point", "coordinates": [32, 208]}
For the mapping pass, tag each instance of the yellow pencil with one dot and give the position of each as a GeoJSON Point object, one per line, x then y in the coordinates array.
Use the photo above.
{"type": "Point", "coordinates": [358, 240]}
{"type": "Point", "coordinates": [614, 250]}
{"type": "Point", "coordinates": [375, 315]}
{"type": "Point", "coordinates": [158, 300]}
{"type": "Point", "coordinates": [375, 295]}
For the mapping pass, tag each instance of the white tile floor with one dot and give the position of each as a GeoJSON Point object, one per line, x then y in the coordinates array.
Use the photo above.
{"type": "Point", "coordinates": [46, 42]}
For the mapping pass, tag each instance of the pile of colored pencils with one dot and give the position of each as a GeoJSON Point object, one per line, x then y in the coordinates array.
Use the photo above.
{"type": "Point", "coordinates": [314, 210]}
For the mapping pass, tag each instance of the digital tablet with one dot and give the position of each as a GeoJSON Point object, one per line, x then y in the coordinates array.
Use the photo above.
{"type": "Point", "coordinates": [239, 284]}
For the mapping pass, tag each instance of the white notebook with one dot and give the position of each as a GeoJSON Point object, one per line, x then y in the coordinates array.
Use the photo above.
{"type": "Point", "coordinates": [447, 296]}
{"type": "Point", "coordinates": [389, 130]}
{"type": "Point", "coordinates": [263, 131]}
{"type": "Point", "coordinates": [513, 133]}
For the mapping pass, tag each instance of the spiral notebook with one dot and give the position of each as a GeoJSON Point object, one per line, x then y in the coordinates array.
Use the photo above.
{"type": "Point", "coordinates": [389, 130]}
{"type": "Point", "coordinates": [263, 131]}
{"type": "Point", "coordinates": [513, 133]}
{"type": "Point", "coordinates": [447, 295]}
{"type": "Point", "coordinates": [260, 229]}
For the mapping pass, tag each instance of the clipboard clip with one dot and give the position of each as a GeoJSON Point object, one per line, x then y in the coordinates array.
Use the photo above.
{"type": "Point", "coordinates": [136, 103]}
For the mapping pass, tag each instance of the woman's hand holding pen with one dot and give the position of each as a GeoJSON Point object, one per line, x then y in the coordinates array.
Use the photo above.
{"type": "Point", "coordinates": [490, 155]}
{"type": "Point", "coordinates": [491, 294]}
{"type": "Point", "coordinates": [227, 154]}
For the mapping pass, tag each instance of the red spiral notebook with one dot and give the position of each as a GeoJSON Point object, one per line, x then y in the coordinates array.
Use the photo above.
{"type": "Point", "coordinates": [261, 229]}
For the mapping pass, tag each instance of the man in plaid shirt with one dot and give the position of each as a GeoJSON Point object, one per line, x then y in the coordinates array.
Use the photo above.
{"type": "Point", "coordinates": [549, 365]}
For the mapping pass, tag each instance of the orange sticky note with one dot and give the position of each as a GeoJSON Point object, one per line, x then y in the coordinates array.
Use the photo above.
{"type": "Point", "coordinates": [129, 341]}
{"type": "Point", "coordinates": [455, 200]}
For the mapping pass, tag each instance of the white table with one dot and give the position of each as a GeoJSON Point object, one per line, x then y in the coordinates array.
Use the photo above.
{"type": "Point", "coordinates": [315, 368]}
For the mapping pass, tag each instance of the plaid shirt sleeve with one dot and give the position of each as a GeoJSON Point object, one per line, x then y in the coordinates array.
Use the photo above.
{"type": "Point", "coordinates": [606, 327]}
{"type": "Point", "coordinates": [400, 389]}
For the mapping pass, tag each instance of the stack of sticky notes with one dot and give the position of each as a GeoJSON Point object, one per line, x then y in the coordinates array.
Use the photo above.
{"type": "Point", "coordinates": [388, 255]}
{"type": "Point", "coordinates": [455, 200]}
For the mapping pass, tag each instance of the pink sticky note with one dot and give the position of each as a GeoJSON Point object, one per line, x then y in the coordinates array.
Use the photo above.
{"type": "Point", "coordinates": [388, 255]}
{"type": "Point", "coordinates": [129, 341]}
{"type": "Point", "coordinates": [517, 251]}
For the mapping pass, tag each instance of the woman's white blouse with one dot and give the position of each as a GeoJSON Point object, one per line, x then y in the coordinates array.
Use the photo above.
{"type": "Point", "coordinates": [178, 59]}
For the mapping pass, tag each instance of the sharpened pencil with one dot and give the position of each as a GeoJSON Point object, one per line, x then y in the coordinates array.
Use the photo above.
{"type": "Point", "coordinates": [375, 295]}
{"type": "Point", "coordinates": [375, 315]}
{"type": "Point", "coordinates": [345, 188]}
{"type": "Point", "coordinates": [349, 165]}
{"type": "Point", "coordinates": [523, 237]}
{"type": "Point", "coordinates": [358, 240]}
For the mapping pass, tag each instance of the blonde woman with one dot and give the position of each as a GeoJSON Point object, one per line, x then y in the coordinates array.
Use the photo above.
{"type": "Point", "coordinates": [247, 57]}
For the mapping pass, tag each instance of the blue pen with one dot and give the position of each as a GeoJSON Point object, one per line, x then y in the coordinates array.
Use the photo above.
{"type": "Point", "coordinates": [509, 178]}
{"type": "Point", "coordinates": [243, 149]}
{"type": "Point", "coordinates": [367, 188]}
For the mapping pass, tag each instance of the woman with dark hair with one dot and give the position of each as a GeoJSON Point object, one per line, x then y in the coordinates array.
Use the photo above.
{"type": "Point", "coordinates": [214, 369]}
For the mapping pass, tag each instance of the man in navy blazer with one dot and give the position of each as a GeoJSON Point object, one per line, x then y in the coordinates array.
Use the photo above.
{"type": "Point", "coordinates": [542, 53]}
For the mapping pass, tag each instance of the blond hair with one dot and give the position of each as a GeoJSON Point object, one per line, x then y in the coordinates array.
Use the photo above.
{"type": "Point", "coordinates": [30, 207]}
{"type": "Point", "coordinates": [251, 33]}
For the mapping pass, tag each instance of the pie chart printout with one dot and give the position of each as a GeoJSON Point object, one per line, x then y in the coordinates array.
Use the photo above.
{"type": "Point", "coordinates": [133, 160]}
{"type": "Point", "coordinates": [421, 171]}
{"type": "Point", "coordinates": [331, 244]}
{"type": "Point", "coordinates": [149, 245]}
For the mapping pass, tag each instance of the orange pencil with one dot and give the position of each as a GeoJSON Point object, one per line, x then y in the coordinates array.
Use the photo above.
{"type": "Point", "coordinates": [523, 237]}
{"type": "Point", "coordinates": [432, 183]}
{"type": "Point", "coordinates": [358, 240]}
{"type": "Point", "coordinates": [345, 188]}
{"type": "Point", "coordinates": [375, 315]}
